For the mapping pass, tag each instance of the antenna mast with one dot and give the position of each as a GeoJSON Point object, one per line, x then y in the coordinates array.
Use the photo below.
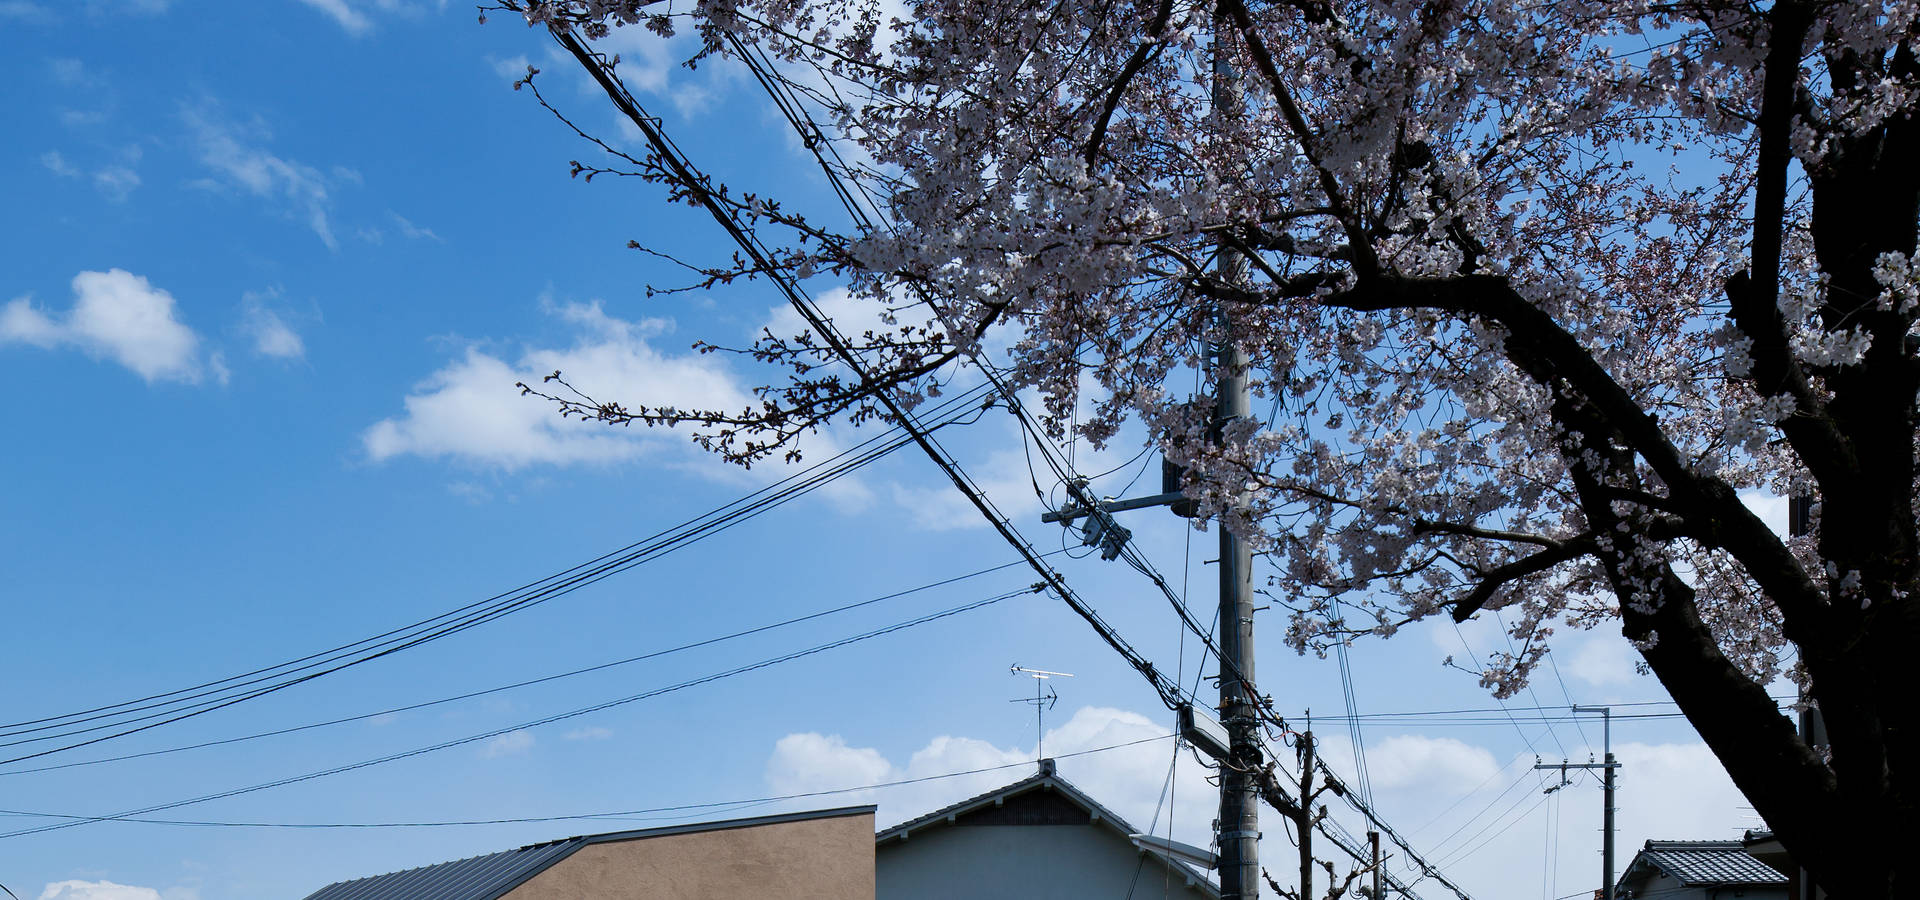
{"type": "Point", "coordinates": [1043, 699]}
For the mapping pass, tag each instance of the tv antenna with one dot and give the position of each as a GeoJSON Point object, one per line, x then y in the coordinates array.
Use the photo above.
{"type": "Point", "coordinates": [1043, 699]}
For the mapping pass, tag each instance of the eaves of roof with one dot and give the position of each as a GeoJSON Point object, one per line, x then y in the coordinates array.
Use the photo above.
{"type": "Point", "coordinates": [1046, 779]}
{"type": "Point", "coordinates": [493, 875]}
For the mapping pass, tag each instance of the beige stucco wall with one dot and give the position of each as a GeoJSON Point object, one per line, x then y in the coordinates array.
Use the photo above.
{"type": "Point", "coordinates": [828, 859]}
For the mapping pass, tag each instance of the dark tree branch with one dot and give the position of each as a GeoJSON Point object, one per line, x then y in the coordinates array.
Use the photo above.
{"type": "Point", "coordinates": [1492, 580]}
{"type": "Point", "coordinates": [1552, 356]}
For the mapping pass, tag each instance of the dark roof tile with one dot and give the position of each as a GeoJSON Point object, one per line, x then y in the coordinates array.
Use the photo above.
{"type": "Point", "coordinates": [1709, 863]}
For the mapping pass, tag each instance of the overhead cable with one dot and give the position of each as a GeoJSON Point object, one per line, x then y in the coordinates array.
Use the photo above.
{"type": "Point", "coordinates": [690, 808]}
{"type": "Point", "coordinates": [173, 706]}
{"type": "Point", "coordinates": [519, 684]}
{"type": "Point", "coordinates": [535, 723]}
{"type": "Point", "coordinates": [696, 185]}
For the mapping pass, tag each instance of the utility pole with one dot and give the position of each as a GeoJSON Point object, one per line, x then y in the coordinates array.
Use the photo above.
{"type": "Point", "coordinates": [1238, 749]}
{"type": "Point", "coordinates": [1239, 790]}
{"type": "Point", "coordinates": [1239, 787]}
{"type": "Point", "coordinates": [1373, 842]}
{"type": "Point", "coordinates": [1304, 824]}
{"type": "Point", "coordinates": [1607, 767]}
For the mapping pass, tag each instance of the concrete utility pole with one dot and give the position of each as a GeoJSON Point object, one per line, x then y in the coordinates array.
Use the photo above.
{"type": "Point", "coordinates": [1304, 824]}
{"type": "Point", "coordinates": [1239, 788]}
{"type": "Point", "coordinates": [1235, 739]}
{"type": "Point", "coordinates": [1607, 767]}
{"type": "Point", "coordinates": [1373, 842]}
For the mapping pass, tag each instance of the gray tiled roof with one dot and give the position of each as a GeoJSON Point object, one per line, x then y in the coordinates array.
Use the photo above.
{"type": "Point", "coordinates": [492, 876]}
{"type": "Point", "coordinates": [475, 878]}
{"type": "Point", "coordinates": [1708, 863]}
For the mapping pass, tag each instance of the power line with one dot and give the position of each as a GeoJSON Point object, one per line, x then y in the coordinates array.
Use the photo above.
{"type": "Point", "coordinates": [688, 178]}
{"type": "Point", "coordinates": [1459, 857]}
{"type": "Point", "coordinates": [520, 684]}
{"type": "Point", "coordinates": [219, 694]}
{"type": "Point", "coordinates": [1364, 807]}
{"type": "Point", "coordinates": [685, 807]}
{"type": "Point", "coordinates": [546, 720]}
{"type": "Point", "coordinates": [1460, 852]}
{"type": "Point", "coordinates": [816, 140]}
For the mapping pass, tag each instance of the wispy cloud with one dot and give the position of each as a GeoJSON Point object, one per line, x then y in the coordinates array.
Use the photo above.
{"type": "Point", "coordinates": [115, 180]}
{"type": "Point", "coordinates": [24, 11]}
{"type": "Point", "coordinates": [267, 330]}
{"type": "Point", "coordinates": [352, 15]}
{"type": "Point", "coordinates": [58, 165]}
{"type": "Point", "coordinates": [238, 160]}
{"type": "Point", "coordinates": [513, 743]}
{"type": "Point", "coordinates": [411, 231]}
{"type": "Point", "coordinates": [69, 72]}
{"type": "Point", "coordinates": [355, 22]}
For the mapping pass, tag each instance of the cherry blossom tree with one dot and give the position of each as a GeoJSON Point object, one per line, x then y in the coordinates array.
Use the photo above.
{"type": "Point", "coordinates": [1536, 293]}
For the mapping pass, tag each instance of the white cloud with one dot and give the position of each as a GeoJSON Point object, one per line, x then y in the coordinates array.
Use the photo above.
{"type": "Point", "coordinates": [96, 890]}
{"type": "Point", "coordinates": [1407, 760]}
{"type": "Point", "coordinates": [512, 68]}
{"type": "Point", "coordinates": [58, 165]}
{"type": "Point", "coordinates": [1770, 508]}
{"type": "Point", "coordinates": [815, 762]}
{"type": "Point", "coordinates": [1677, 791]}
{"type": "Point", "coordinates": [237, 162]}
{"type": "Point", "coordinates": [411, 231]}
{"type": "Point", "coordinates": [471, 411]}
{"type": "Point", "coordinates": [1481, 817]}
{"type": "Point", "coordinates": [70, 72]}
{"type": "Point", "coordinates": [21, 322]}
{"type": "Point", "coordinates": [591, 733]}
{"type": "Point", "coordinates": [1003, 477]}
{"type": "Point", "coordinates": [355, 22]}
{"type": "Point", "coordinates": [117, 315]}
{"type": "Point", "coordinates": [24, 11]}
{"type": "Point", "coordinates": [649, 63]}
{"type": "Point", "coordinates": [1602, 660]}
{"type": "Point", "coordinates": [1127, 780]}
{"type": "Point", "coordinates": [351, 15]}
{"type": "Point", "coordinates": [269, 332]}
{"type": "Point", "coordinates": [114, 180]}
{"type": "Point", "coordinates": [513, 743]}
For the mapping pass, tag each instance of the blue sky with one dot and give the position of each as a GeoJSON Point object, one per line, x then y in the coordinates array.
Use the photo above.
{"type": "Point", "coordinates": [270, 273]}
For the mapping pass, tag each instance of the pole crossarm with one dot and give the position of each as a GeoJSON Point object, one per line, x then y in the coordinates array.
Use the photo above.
{"type": "Point", "coordinates": [1113, 506]}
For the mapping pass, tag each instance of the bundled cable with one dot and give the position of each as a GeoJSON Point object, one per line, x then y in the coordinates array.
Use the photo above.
{"type": "Point", "coordinates": [104, 723]}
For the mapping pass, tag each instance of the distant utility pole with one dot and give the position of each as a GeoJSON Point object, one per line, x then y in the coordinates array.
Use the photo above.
{"type": "Point", "coordinates": [1607, 767]}
{"type": "Point", "coordinates": [1041, 703]}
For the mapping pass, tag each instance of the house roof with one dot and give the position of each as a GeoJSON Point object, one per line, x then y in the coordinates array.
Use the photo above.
{"type": "Point", "coordinates": [1707, 863]}
{"type": "Point", "coordinates": [493, 875]}
{"type": "Point", "coordinates": [1047, 779]}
